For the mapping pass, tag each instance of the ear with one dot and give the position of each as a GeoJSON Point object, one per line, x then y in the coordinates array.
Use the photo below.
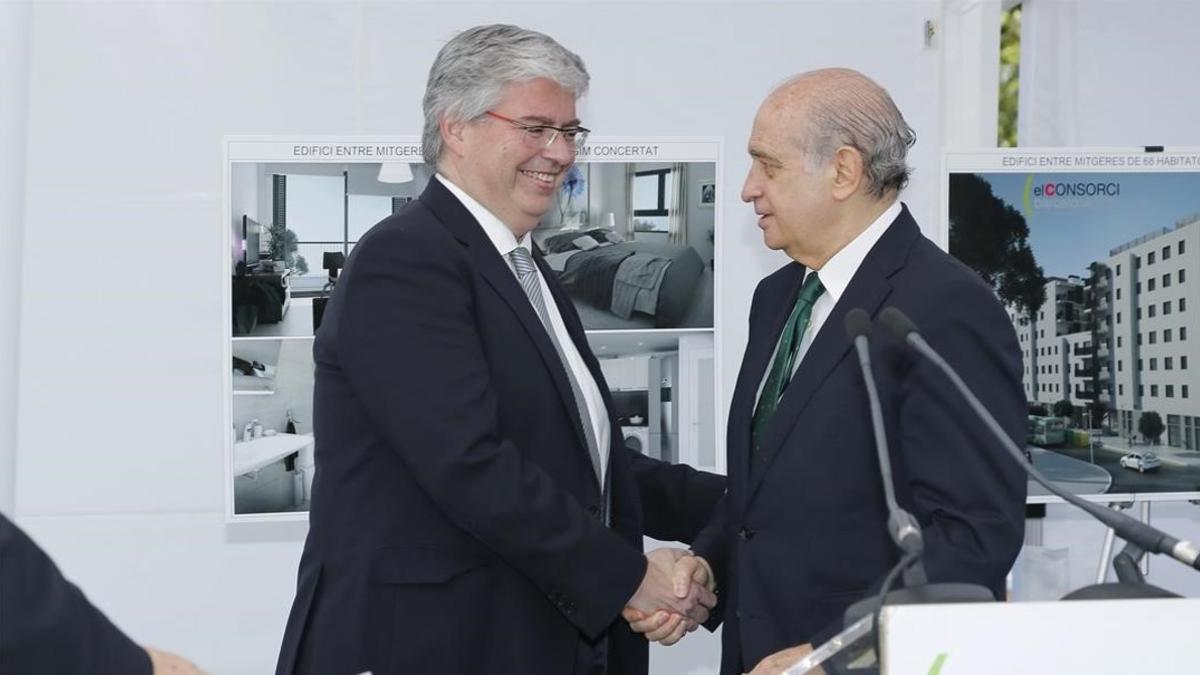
{"type": "Point", "coordinates": [847, 172]}
{"type": "Point", "coordinates": [454, 134]}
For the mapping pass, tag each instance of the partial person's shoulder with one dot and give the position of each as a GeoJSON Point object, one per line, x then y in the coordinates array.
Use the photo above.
{"type": "Point", "coordinates": [412, 239]}
{"type": "Point", "coordinates": [413, 233]}
{"type": "Point", "coordinates": [415, 223]}
{"type": "Point", "coordinates": [942, 274]}
{"type": "Point", "coordinates": [938, 290]}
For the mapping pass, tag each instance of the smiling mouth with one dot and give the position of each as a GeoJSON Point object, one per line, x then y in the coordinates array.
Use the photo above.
{"type": "Point", "coordinates": [541, 176]}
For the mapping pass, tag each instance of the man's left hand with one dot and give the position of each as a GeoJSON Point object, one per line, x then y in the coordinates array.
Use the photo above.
{"type": "Point", "coordinates": [781, 661]}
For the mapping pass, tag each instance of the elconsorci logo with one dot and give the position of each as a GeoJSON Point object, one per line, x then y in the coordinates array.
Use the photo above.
{"type": "Point", "coordinates": [1062, 194]}
{"type": "Point", "coordinates": [1080, 189]}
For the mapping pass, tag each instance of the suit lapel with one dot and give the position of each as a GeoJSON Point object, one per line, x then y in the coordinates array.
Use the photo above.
{"type": "Point", "coordinates": [496, 272]}
{"type": "Point", "coordinates": [867, 290]}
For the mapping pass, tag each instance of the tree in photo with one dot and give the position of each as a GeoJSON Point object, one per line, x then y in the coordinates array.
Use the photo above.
{"type": "Point", "coordinates": [992, 238]}
{"type": "Point", "coordinates": [1064, 408]}
{"type": "Point", "coordinates": [1150, 425]}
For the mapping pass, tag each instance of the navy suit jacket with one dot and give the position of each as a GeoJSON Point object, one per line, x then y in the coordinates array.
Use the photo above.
{"type": "Point", "coordinates": [46, 623]}
{"type": "Point", "coordinates": [803, 534]}
{"type": "Point", "coordinates": [456, 518]}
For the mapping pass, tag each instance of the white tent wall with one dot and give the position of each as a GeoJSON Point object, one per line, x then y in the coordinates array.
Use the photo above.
{"type": "Point", "coordinates": [1108, 73]}
{"type": "Point", "coordinates": [1099, 73]}
{"type": "Point", "coordinates": [119, 429]}
{"type": "Point", "coordinates": [14, 104]}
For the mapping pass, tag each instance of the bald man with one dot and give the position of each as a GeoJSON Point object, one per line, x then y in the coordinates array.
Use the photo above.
{"type": "Point", "coordinates": [801, 533]}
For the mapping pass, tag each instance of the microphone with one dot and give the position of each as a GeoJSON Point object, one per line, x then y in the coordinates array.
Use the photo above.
{"type": "Point", "coordinates": [902, 526]}
{"type": "Point", "coordinates": [1138, 534]}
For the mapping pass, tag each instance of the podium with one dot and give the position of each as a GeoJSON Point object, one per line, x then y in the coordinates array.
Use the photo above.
{"type": "Point", "coordinates": [1085, 636]}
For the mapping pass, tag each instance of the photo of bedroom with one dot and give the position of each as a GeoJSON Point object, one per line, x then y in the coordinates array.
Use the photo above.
{"type": "Point", "coordinates": [633, 244]}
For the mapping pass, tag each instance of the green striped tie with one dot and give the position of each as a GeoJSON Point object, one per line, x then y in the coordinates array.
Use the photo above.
{"type": "Point", "coordinates": [785, 359]}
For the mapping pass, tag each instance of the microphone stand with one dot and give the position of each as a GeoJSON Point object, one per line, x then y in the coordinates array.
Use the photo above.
{"type": "Point", "coordinates": [1140, 537]}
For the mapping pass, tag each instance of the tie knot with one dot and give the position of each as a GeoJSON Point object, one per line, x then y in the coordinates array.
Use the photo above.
{"type": "Point", "coordinates": [811, 290]}
{"type": "Point", "coordinates": [521, 260]}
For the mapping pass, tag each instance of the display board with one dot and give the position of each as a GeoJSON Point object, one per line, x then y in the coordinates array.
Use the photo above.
{"type": "Point", "coordinates": [631, 237]}
{"type": "Point", "coordinates": [1096, 256]}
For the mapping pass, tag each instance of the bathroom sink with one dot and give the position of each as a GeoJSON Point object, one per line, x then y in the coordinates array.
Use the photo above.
{"type": "Point", "coordinates": [254, 454]}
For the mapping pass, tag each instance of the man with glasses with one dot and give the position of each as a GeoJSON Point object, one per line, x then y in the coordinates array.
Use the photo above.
{"type": "Point", "coordinates": [473, 510]}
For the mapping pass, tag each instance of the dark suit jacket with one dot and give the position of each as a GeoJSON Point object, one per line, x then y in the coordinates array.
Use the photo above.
{"type": "Point", "coordinates": [46, 623]}
{"type": "Point", "coordinates": [803, 535]}
{"type": "Point", "coordinates": [455, 524]}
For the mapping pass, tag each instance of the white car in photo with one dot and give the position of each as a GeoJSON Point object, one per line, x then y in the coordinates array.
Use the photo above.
{"type": "Point", "coordinates": [1141, 461]}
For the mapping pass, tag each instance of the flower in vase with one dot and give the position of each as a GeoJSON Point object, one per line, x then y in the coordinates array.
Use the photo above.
{"type": "Point", "coordinates": [572, 186]}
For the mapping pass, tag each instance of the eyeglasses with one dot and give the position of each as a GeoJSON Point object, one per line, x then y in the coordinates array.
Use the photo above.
{"type": "Point", "coordinates": [543, 135]}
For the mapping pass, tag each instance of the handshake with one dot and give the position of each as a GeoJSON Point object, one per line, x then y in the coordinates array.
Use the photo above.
{"type": "Point", "coordinates": [674, 597]}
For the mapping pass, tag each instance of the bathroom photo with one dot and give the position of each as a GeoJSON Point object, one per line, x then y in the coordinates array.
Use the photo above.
{"type": "Point", "coordinates": [271, 447]}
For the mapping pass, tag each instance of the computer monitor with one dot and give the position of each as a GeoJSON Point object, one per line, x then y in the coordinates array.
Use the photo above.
{"type": "Point", "coordinates": [251, 241]}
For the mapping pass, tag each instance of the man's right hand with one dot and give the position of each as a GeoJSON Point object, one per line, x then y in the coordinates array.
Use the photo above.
{"type": "Point", "coordinates": [691, 577]}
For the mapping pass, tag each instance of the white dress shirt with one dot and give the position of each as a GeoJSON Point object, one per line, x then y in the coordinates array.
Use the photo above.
{"type": "Point", "coordinates": [835, 277]}
{"type": "Point", "coordinates": [505, 242]}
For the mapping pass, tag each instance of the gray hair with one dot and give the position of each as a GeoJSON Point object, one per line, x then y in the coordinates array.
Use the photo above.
{"type": "Point", "coordinates": [470, 72]}
{"type": "Point", "coordinates": [852, 110]}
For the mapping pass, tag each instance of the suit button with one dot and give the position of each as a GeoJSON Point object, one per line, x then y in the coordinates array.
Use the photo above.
{"type": "Point", "coordinates": [746, 534]}
{"type": "Point", "coordinates": [594, 510]}
{"type": "Point", "coordinates": [737, 613]}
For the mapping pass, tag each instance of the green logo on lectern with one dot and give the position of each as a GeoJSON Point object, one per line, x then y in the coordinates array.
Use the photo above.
{"type": "Point", "coordinates": [936, 668]}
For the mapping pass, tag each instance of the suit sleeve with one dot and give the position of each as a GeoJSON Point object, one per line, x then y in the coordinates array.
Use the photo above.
{"type": "Point", "coordinates": [714, 543]}
{"type": "Point", "coordinates": [46, 623]}
{"type": "Point", "coordinates": [968, 494]}
{"type": "Point", "coordinates": [411, 350]}
{"type": "Point", "coordinates": [677, 500]}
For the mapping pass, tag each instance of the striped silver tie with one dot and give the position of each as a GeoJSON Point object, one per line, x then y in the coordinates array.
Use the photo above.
{"type": "Point", "coordinates": [522, 262]}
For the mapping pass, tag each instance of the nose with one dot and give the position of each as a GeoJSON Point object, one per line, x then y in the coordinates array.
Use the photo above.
{"type": "Point", "coordinates": [750, 188]}
{"type": "Point", "coordinates": [560, 149]}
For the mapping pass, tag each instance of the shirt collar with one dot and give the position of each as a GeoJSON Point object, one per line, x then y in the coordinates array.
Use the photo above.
{"type": "Point", "coordinates": [839, 270]}
{"type": "Point", "coordinates": [501, 237]}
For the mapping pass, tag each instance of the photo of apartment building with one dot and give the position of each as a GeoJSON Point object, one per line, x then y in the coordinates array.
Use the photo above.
{"type": "Point", "coordinates": [1100, 273]}
{"type": "Point", "coordinates": [1117, 338]}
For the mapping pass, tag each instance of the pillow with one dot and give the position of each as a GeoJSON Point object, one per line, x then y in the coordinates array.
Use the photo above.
{"type": "Point", "coordinates": [613, 236]}
{"type": "Point", "coordinates": [599, 234]}
{"type": "Point", "coordinates": [584, 243]}
{"type": "Point", "coordinates": [559, 243]}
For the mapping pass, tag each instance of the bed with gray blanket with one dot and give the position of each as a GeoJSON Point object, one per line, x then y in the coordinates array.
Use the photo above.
{"type": "Point", "coordinates": [658, 279]}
